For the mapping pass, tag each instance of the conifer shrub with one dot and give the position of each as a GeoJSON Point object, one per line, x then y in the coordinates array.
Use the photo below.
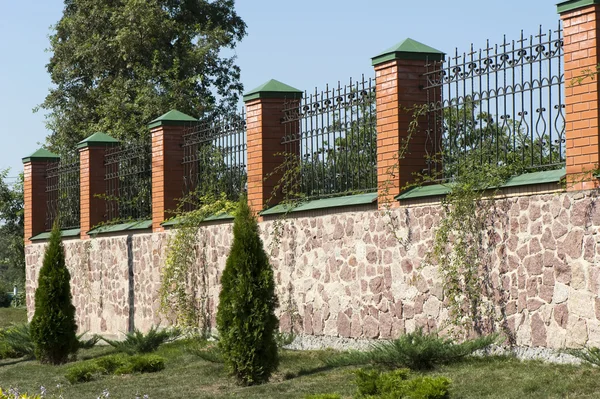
{"type": "Point", "coordinates": [246, 318]}
{"type": "Point", "coordinates": [53, 327]}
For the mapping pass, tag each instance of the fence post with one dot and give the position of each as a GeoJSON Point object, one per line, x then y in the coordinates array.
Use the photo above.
{"type": "Point", "coordinates": [91, 181]}
{"type": "Point", "coordinates": [34, 190]}
{"type": "Point", "coordinates": [167, 168]}
{"type": "Point", "coordinates": [264, 106]}
{"type": "Point", "coordinates": [581, 26]}
{"type": "Point", "coordinates": [399, 88]}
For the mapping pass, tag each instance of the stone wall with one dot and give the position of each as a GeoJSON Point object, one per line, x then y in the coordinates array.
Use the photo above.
{"type": "Point", "coordinates": [343, 273]}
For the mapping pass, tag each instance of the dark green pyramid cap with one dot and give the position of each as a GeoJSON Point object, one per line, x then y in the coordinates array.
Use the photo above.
{"type": "Point", "coordinates": [409, 49]}
{"type": "Point", "coordinates": [570, 5]}
{"type": "Point", "coordinates": [41, 155]}
{"type": "Point", "coordinates": [273, 89]}
{"type": "Point", "coordinates": [98, 140]}
{"type": "Point", "coordinates": [172, 118]}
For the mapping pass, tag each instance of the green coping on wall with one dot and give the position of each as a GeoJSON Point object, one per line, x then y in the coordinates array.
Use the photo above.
{"type": "Point", "coordinates": [408, 49]}
{"type": "Point", "coordinates": [172, 118]}
{"type": "Point", "coordinates": [41, 155]}
{"type": "Point", "coordinates": [273, 89]}
{"type": "Point", "coordinates": [570, 5]}
{"type": "Point", "coordinates": [98, 140]}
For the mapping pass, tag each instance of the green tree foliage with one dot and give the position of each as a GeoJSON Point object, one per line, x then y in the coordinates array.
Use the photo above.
{"type": "Point", "coordinates": [117, 64]}
{"type": "Point", "coordinates": [12, 256]}
{"type": "Point", "coordinates": [476, 135]}
{"type": "Point", "coordinates": [246, 316]}
{"type": "Point", "coordinates": [53, 327]}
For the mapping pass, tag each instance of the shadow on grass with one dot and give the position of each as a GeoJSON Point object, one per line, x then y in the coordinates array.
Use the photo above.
{"type": "Point", "coordinates": [14, 361]}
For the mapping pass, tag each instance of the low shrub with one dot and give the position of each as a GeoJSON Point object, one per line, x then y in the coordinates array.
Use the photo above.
{"type": "Point", "coordinates": [17, 340]}
{"type": "Point", "coordinates": [324, 396]}
{"type": "Point", "coordinates": [416, 350]}
{"type": "Point", "coordinates": [111, 363]}
{"type": "Point", "coordinates": [84, 372]}
{"type": "Point", "coordinates": [115, 364]}
{"type": "Point", "coordinates": [397, 384]}
{"type": "Point", "coordinates": [138, 342]}
{"type": "Point", "coordinates": [142, 364]}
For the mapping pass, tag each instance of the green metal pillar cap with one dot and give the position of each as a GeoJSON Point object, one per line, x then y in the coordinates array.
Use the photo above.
{"type": "Point", "coordinates": [172, 118]}
{"type": "Point", "coordinates": [98, 139]}
{"type": "Point", "coordinates": [273, 89]}
{"type": "Point", "coordinates": [570, 5]}
{"type": "Point", "coordinates": [41, 155]}
{"type": "Point", "coordinates": [409, 49]}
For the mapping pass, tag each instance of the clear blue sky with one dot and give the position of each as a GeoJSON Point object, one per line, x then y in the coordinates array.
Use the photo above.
{"type": "Point", "coordinates": [304, 44]}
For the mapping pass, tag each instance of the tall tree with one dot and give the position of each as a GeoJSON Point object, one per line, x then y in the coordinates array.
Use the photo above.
{"type": "Point", "coordinates": [246, 315]}
{"type": "Point", "coordinates": [12, 258]}
{"type": "Point", "coordinates": [53, 327]}
{"type": "Point", "coordinates": [117, 64]}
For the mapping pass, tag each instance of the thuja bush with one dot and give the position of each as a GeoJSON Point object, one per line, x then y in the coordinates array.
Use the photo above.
{"type": "Point", "coordinates": [53, 327]}
{"type": "Point", "coordinates": [246, 318]}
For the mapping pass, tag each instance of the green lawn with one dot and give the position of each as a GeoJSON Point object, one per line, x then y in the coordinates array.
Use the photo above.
{"type": "Point", "coordinates": [300, 373]}
{"type": "Point", "coordinates": [12, 315]}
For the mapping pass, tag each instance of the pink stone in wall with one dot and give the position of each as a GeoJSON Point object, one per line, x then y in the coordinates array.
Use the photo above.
{"type": "Point", "coordinates": [343, 325]}
{"type": "Point", "coordinates": [561, 314]}
{"type": "Point", "coordinates": [538, 331]}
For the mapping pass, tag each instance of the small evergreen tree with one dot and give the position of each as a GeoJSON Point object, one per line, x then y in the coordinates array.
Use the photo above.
{"type": "Point", "coordinates": [246, 316]}
{"type": "Point", "coordinates": [53, 327]}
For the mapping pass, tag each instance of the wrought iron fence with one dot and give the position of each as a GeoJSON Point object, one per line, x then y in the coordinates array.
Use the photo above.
{"type": "Point", "coordinates": [214, 158]}
{"type": "Point", "coordinates": [499, 105]}
{"type": "Point", "coordinates": [128, 177]}
{"type": "Point", "coordinates": [331, 140]}
{"type": "Point", "coordinates": [62, 191]}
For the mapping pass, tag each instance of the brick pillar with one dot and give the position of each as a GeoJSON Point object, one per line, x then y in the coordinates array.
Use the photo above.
{"type": "Point", "coordinates": [580, 29]}
{"type": "Point", "coordinates": [167, 168]}
{"type": "Point", "coordinates": [91, 180]}
{"type": "Point", "coordinates": [399, 87]}
{"type": "Point", "coordinates": [34, 189]}
{"type": "Point", "coordinates": [264, 129]}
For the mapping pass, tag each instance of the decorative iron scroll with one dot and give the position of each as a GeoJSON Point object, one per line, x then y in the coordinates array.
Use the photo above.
{"type": "Point", "coordinates": [502, 104]}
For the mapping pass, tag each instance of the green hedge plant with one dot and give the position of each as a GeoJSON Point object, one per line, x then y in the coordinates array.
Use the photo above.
{"type": "Point", "coordinates": [246, 318]}
{"type": "Point", "coordinates": [53, 327]}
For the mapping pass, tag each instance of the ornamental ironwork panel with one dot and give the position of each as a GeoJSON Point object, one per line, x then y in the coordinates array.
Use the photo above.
{"type": "Point", "coordinates": [331, 141]}
{"type": "Point", "coordinates": [499, 105]}
{"type": "Point", "coordinates": [214, 159]}
{"type": "Point", "coordinates": [128, 177]}
{"type": "Point", "coordinates": [62, 192]}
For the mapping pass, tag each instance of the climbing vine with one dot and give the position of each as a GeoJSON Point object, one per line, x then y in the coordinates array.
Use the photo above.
{"type": "Point", "coordinates": [184, 289]}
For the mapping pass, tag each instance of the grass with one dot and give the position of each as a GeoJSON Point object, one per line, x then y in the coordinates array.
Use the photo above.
{"type": "Point", "coordinates": [9, 316]}
{"type": "Point", "coordinates": [301, 373]}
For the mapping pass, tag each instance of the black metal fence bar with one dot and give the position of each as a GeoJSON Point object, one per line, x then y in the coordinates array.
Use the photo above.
{"type": "Point", "coordinates": [128, 177]}
{"type": "Point", "coordinates": [502, 104]}
{"type": "Point", "coordinates": [62, 191]}
{"type": "Point", "coordinates": [332, 134]}
{"type": "Point", "coordinates": [214, 159]}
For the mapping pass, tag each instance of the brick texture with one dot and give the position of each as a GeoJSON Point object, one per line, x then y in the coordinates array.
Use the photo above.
{"type": "Point", "coordinates": [580, 29]}
{"type": "Point", "coordinates": [264, 134]}
{"type": "Point", "coordinates": [167, 172]}
{"type": "Point", "coordinates": [91, 177]}
{"type": "Point", "coordinates": [399, 90]}
{"type": "Point", "coordinates": [35, 199]}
